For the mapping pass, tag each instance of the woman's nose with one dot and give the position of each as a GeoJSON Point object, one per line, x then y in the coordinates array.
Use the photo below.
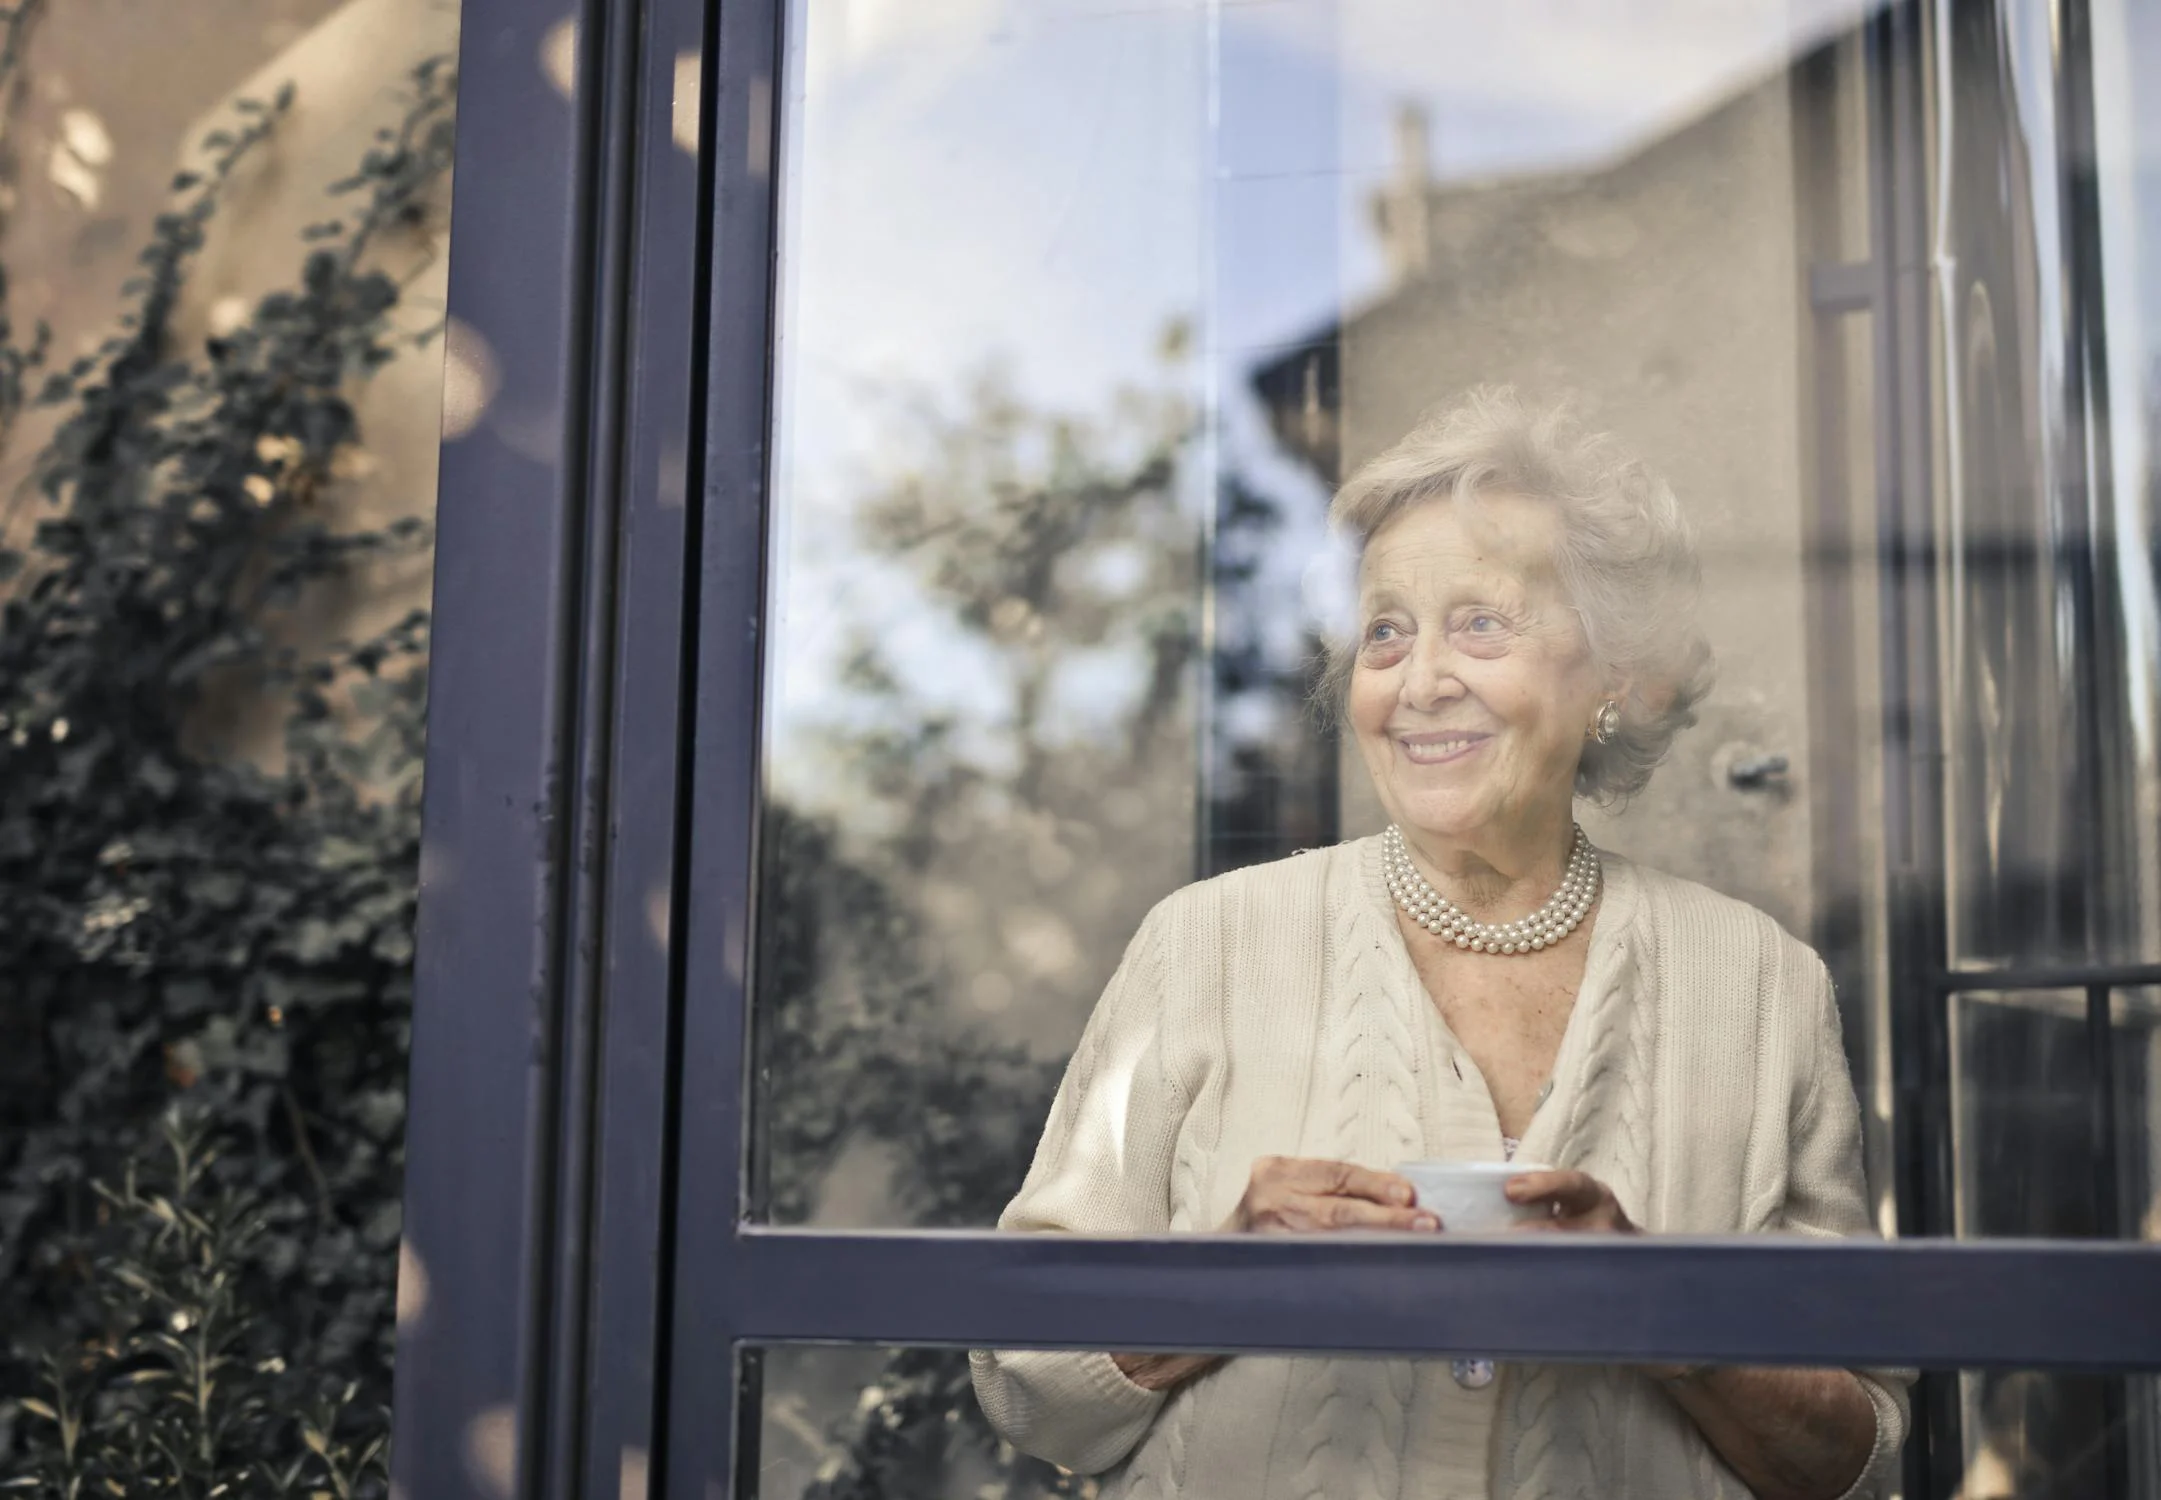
{"type": "Point", "coordinates": [1430, 678]}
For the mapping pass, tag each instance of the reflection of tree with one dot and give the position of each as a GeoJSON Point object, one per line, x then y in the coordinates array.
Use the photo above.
{"type": "Point", "coordinates": [1003, 841]}
{"type": "Point", "coordinates": [1019, 785]}
{"type": "Point", "coordinates": [852, 1031]}
{"type": "Point", "coordinates": [1037, 537]}
{"type": "Point", "coordinates": [1022, 765]}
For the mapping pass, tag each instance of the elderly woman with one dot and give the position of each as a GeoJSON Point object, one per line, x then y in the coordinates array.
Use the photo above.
{"type": "Point", "coordinates": [1475, 981]}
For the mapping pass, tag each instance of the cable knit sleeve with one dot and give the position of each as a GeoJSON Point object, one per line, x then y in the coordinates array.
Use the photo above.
{"type": "Point", "coordinates": [1827, 1196]}
{"type": "Point", "coordinates": [1103, 1166]}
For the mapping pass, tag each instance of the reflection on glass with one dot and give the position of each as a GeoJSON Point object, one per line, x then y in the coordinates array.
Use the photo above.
{"type": "Point", "coordinates": [871, 1422]}
{"type": "Point", "coordinates": [2046, 1146]}
{"type": "Point", "coordinates": [2136, 1055]}
{"type": "Point", "coordinates": [2023, 1092]}
{"type": "Point", "coordinates": [1087, 313]}
{"type": "Point", "coordinates": [2127, 228]}
{"type": "Point", "coordinates": [2049, 269]}
{"type": "Point", "coordinates": [1062, 396]}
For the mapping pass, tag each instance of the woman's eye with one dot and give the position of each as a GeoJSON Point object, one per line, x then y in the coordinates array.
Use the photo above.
{"type": "Point", "coordinates": [1382, 633]}
{"type": "Point", "coordinates": [1482, 624]}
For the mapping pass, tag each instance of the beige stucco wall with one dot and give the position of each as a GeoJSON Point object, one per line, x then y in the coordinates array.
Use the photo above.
{"type": "Point", "coordinates": [1663, 296]}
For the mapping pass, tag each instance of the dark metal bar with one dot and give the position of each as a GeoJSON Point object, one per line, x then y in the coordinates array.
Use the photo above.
{"type": "Point", "coordinates": [710, 1440]}
{"type": "Point", "coordinates": [606, 84]}
{"type": "Point", "coordinates": [1841, 850]}
{"type": "Point", "coordinates": [1776, 1301]}
{"type": "Point", "coordinates": [2084, 432]}
{"type": "Point", "coordinates": [1897, 54]}
{"type": "Point", "coordinates": [2054, 977]}
{"type": "Point", "coordinates": [1913, 754]}
{"type": "Point", "coordinates": [482, 1150]}
{"type": "Point", "coordinates": [2108, 1215]}
{"type": "Point", "coordinates": [637, 849]}
{"type": "Point", "coordinates": [2101, 1056]}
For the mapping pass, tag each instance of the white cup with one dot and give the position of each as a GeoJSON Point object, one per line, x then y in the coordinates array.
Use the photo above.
{"type": "Point", "coordinates": [1467, 1196]}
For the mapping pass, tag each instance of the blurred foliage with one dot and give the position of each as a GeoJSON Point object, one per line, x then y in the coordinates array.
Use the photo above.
{"type": "Point", "coordinates": [852, 1016]}
{"type": "Point", "coordinates": [1034, 540]}
{"type": "Point", "coordinates": [181, 1387]}
{"type": "Point", "coordinates": [176, 923]}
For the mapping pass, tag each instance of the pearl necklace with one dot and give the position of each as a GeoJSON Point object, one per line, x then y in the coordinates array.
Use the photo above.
{"type": "Point", "coordinates": [1564, 910]}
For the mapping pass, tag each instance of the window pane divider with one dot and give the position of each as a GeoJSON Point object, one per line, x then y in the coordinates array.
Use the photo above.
{"type": "Point", "coordinates": [2050, 977]}
{"type": "Point", "coordinates": [1759, 1299]}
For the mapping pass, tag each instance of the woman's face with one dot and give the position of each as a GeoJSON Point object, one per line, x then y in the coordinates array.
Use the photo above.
{"type": "Point", "coordinates": [1473, 683]}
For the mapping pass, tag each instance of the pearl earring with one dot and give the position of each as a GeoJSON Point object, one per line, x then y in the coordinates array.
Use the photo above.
{"type": "Point", "coordinates": [1607, 724]}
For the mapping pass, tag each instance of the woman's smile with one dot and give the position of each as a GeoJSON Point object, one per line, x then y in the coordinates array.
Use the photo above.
{"type": "Point", "coordinates": [1440, 747]}
{"type": "Point", "coordinates": [1474, 681]}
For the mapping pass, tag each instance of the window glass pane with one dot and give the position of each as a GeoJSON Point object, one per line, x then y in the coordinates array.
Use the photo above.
{"type": "Point", "coordinates": [1088, 311]}
{"type": "Point", "coordinates": [2046, 1143]}
{"type": "Point", "coordinates": [877, 1422]}
{"type": "Point", "coordinates": [2136, 1060]}
{"type": "Point", "coordinates": [2049, 483]}
{"type": "Point", "coordinates": [2127, 163]}
{"type": "Point", "coordinates": [2024, 1090]}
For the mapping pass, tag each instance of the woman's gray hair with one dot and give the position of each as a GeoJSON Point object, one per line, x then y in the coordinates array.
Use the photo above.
{"type": "Point", "coordinates": [1626, 558]}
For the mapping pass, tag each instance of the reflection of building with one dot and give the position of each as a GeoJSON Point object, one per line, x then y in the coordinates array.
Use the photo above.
{"type": "Point", "coordinates": [1658, 293]}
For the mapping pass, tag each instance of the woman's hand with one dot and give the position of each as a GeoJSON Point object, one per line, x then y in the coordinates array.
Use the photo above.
{"type": "Point", "coordinates": [1790, 1434]}
{"type": "Point", "coordinates": [1288, 1194]}
{"type": "Point", "coordinates": [1577, 1200]}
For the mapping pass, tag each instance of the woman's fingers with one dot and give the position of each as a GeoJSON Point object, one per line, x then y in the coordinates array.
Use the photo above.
{"type": "Point", "coordinates": [1577, 1199]}
{"type": "Point", "coordinates": [1357, 1213]}
{"type": "Point", "coordinates": [1335, 1179]}
{"type": "Point", "coordinates": [1305, 1195]}
{"type": "Point", "coordinates": [1375, 1187]}
{"type": "Point", "coordinates": [1569, 1192]}
{"type": "Point", "coordinates": [1305, 1214]}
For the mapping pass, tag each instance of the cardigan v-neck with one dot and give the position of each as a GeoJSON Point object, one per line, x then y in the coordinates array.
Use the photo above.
{"type": "Point", "coordinates": [1581, 1035]}
{"type": "Point", "coordinates": [1275, 1011]}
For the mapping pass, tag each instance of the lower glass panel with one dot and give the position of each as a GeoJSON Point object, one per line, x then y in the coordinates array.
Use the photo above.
{"type": "Point", "coordinates": [2023, 1085]}
{"type": "Point", "coordinates": [2027, 1433]}
{"type": "Point", "coordinates": [865, 1422]}
{"type": "Point", "coordinates": [2054, 1115]}
{"type": "Point", "coordinates": [2136, 1054]}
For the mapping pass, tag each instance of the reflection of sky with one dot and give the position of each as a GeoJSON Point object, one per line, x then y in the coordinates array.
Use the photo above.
{"type": "Point", "coordinates": [1029, 179]}
{"type": "Point", "coordinates": [1045, 184]}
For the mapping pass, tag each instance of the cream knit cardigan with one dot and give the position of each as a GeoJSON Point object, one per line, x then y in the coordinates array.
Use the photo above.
{"type": "Point", "coordinates": [1276, 1011]}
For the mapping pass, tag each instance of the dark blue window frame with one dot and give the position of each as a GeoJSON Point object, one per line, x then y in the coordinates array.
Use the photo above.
{"type": "Point", "coordinates": [580, 1188]}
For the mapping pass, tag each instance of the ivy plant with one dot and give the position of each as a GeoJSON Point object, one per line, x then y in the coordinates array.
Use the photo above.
{"type": "Point", "coordinates": [176, 922]}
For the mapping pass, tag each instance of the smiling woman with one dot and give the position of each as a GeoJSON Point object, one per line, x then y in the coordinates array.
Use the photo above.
{"type": "Point", "coordinates": [1292, 1047]}
{"type": "Point", "coordinates": [1591, 548]}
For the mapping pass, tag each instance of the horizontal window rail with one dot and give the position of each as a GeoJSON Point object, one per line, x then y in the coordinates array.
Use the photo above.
{"type": "Point", "coordinates": [1770, 1300]}
{"type": "Point", "coordinates": [2054, 977]}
